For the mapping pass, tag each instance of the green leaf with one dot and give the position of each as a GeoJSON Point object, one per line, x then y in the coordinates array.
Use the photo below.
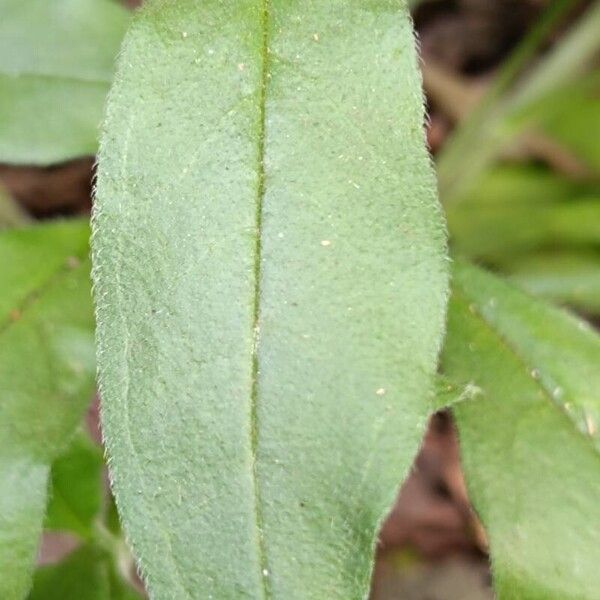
{"type": "Point", "coordinates": [86, 574]}
{"type": "Point", "coordinates": [56, 65]}
{"type": "Point", "coordinates": [46, 377]}
{"type": "Point", "coordinates": [270, 279]}
{"type": "Point", "coordinates": [566, 277]}
{"type": "Point", "coordinates": [76, 488]}
{"type": "Point", "coordinates": [492, 126]}
{"type": "Point", "coordinates": [83, 575]}
{"type": "Point", "coordinates": [530, 445]}
{"type": "Point", "coordinates": [513, 210]}
{"type": "Point", "coordinates": [571, 117]}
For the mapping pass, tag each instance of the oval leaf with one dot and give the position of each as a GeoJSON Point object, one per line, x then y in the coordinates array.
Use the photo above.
{"type": "Point", "coordinates": [530, 445]}
{"type": "Point", "coordinates": [270, 283]}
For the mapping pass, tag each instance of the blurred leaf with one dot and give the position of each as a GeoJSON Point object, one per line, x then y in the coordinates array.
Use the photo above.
{"type": "Point", "coordinates": [270, 275]}
{"type": "Point", "coordinates": [566, 277]}
{"type": "Point", "coordinates": [571, 116]}
{"type": "Point", "coordinates": [566, 61]}
{"type": "Point", "coordinates": [86, 574]}
{"type": "Point", "coordinates": [516, 209]}
{"type": "Point", "coordinates": [56, 65]}
{"type": "Point", "coordinates": [76, 488]}
{"type": "Point", "coordinates": [46, 377]}
{"type": "Point", "coordinates": [491, 127]}
{"type": "Point", "coordinates": [530, 445]}
{"type": "Point", "coordinates": [83, 575]}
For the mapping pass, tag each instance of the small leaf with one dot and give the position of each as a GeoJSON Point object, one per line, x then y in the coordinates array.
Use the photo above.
{"type": "Point", "coordinates": [270, 280]}
{"type": "Point", "coordinates": [530, 445]}
{"type": "Point", "coordinates": [46, 377]}
{"type": "Point", "coordinates": [56, 65]}
{"type": "Point", "coordinates": [76, 488]}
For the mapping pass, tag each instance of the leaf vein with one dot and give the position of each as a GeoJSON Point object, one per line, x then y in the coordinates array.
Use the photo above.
{"type": "Point", "coordinates": [262, 555]}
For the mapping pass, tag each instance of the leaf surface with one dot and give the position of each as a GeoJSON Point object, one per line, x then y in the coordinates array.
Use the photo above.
{"type": "Point", "coordinates": [270, 278]}
{"type": "Point", "coordinates": [530, 445]}
{"type": "Point", "coordinates": [56, 65]}
{"type": "Point", "coordinates": [46, 377]}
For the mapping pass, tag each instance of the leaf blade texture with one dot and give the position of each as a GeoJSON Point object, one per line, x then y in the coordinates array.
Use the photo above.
{"type": "Point", "coordinates": [47, 373]}
{"type": "Point", "coordinates": [529, 446]}
{"type": "Point", "coordinates": [269, 260]}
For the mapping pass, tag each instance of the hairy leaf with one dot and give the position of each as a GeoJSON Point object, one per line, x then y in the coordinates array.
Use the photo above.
{"type": "Point", "coordinates": [530, 445]}
{"type": "Point", "coordinates": [46, 377]}
{"type": "Point", "coordinates": [56, 65]}
{"type": "Point", "coordinates": [270, 283]}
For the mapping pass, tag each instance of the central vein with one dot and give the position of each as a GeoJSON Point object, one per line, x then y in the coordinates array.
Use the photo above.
{"type": "Point", "coordinates": [262, 555]}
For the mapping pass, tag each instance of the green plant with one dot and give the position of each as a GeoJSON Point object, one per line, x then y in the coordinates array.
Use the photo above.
{"type": "Point", "coordinates": [271, 285]}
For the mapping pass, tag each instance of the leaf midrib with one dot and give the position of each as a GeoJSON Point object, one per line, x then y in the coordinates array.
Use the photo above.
{"type": "Point", "coordinates": [463, 297]}
{"type": "Point", "coordinates": [258, 517]}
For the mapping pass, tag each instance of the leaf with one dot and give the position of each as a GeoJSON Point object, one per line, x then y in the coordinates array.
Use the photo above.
{"type": "Point", "coordinates": [83, 575]}
{"type": "Point", "coordinates": [56, 65]}
{"type": "Point", "coordinates": [530, 445]}
{"type": "Point", "coordinates": [571, 117]}
{"type": "Point", "coordinates": [46, 377]}
{"type": "Point", "coordinates": [270, 283]}
{"type": "Point", "coordinates": [76, 488]}
{"type": "Point", "coordinates": [567, 277]}
{"type": "Point", "coordinates": [492, 127]}
{"type": "Point", "coordinates": [513, 210]}
{"type": "Point", "coordinates": [86, 574]}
